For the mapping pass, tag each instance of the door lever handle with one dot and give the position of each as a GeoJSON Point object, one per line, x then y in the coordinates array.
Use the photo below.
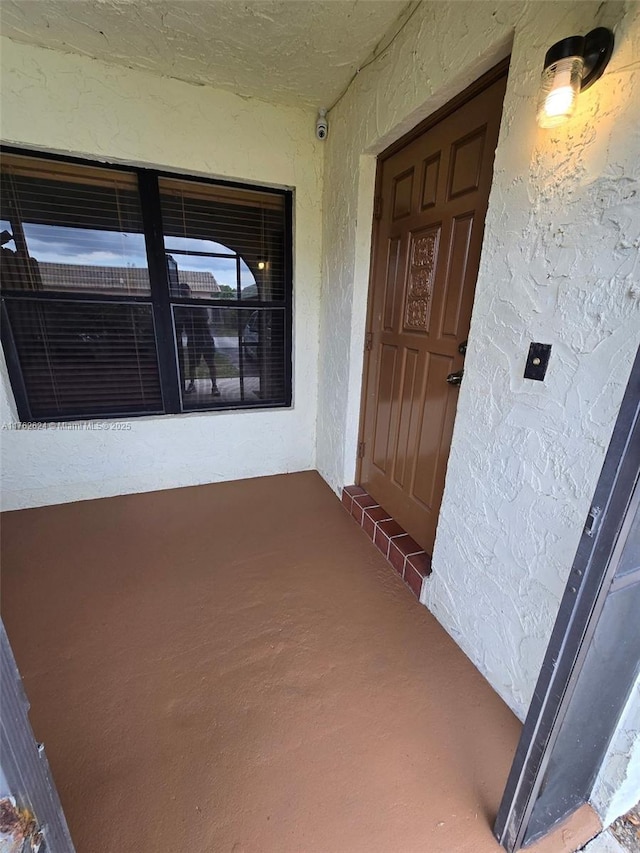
{"type": "Point", "coordinates": [455, 378]}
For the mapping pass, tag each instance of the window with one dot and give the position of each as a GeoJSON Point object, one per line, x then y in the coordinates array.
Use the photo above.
{"type": "Point", "coordinates": [127, 292]}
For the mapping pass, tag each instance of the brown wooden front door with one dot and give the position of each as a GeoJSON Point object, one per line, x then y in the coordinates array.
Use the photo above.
{"type": "Point", "coordinates": [427, 241]}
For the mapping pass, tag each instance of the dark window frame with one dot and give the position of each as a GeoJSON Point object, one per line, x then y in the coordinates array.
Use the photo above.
{"type": "Point", "coordinates": [159, 298]}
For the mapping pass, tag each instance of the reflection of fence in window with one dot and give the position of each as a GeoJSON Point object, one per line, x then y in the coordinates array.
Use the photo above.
{"type": "Point", "coordinates": [238, 351]}
{"type": "Point", "coordinates": [234, 237]}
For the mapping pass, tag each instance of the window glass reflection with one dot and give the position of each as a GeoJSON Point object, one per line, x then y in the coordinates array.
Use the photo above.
{"type": "Point", "coordinates": [6, 236]}
{"type": "Point", "coordinates": [229, 355]}
{"type": "Point", "coordinates": [206, 275]}
{"type": "Point", "coordinates": [235, 235]}
{"type": "Point", "coordinates": [188, 244]}
{"type": "Point", "coordinates": [71, 228]}
{"type": "Point", "coordinates": [197, 279]}
{"type": "Point", "coordinates": [86, 259]}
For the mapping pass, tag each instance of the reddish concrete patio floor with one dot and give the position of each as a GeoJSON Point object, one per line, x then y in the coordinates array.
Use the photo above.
{"type": "Point", "coordinates": [234, 669]}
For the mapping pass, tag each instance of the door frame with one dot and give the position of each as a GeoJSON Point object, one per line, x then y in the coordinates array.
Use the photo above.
{"type": "Point", "coordinates": [479, 85]}
{"type": "Point", "coordinates": [25, 774]}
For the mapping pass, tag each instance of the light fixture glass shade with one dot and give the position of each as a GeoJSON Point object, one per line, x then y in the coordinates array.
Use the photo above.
{"type": "Point", "coordinates": [559, 90]}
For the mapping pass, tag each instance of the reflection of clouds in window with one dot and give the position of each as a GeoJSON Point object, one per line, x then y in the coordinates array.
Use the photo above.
{"type": "Point", "coordinates": [187, 244]}
{"type": "Point", "coordinates": [64, 245]}
{"type": "Point", "coordinates": [227, 277]}
{"type": "Point", "coordinates": [67, 245]}
{"type": "Point", "coordinates": [247, 278]}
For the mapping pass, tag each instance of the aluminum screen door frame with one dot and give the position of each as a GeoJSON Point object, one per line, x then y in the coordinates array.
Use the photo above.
{"type": "Point", "coordinates": [24, 767]}
{"type": "Point", "coordinates": [590, 582]}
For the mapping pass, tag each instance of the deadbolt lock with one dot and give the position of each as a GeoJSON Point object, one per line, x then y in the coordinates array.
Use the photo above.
{"type": "Point", "coordinates": [462, 348]}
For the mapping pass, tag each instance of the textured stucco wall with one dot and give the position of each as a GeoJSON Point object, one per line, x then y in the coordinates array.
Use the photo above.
{"type": "Point", "coordinates": [617, 788]}
{"type": "Point", "coordinates": [70, 104]}
{"type": "Point", "coordinates": [559, 265]}
{"type": "Point", "coordinates": [215, 43]}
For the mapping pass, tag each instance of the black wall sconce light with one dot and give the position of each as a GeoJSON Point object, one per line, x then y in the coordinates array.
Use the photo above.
{"type": "Point", "coordinates": [570, 67]}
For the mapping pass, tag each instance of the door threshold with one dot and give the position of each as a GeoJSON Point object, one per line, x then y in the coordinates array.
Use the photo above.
{"type": "Point", "coordinates": [403, 553]}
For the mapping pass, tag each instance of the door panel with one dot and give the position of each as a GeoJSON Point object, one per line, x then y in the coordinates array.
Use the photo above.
{"type": "Point", "coordinates": [428, 239]}
{"type": "Point", "coordinates": [434, 426]}
{"type": "Point", "coordinates": [424, 250]}
{"type": "Point", "coordinates": [466, 163]}
{"type": "Point", "coordinates": [386, 384]}
{"type": "Point", "coordinates": [402, 193]}
{"type": "Point", "coordinates": [462, 229]}
{"type": "Point", "coordinates": [393, 272]}
{"type": "Point", "coordinates": [408, 415]}
{"type": "Point", "coordinates": [430, 172]}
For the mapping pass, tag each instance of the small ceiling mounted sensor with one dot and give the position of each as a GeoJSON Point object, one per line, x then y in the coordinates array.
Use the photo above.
{"type": "Point", "coordinates": [322, 125]}
{"type": "Point", "coordinates": [570, 67]}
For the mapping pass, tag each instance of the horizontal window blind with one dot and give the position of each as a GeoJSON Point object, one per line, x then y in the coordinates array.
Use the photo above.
{"type": "Point", "coordinates": [229, 355]}
{"type": "Point", "coordinates": [236, 241]}
{"type": "Point", "coordinates": [71, 228]}
{"type": "Point", "coordinates": [89, 331]}
{"type": "Point", "coordinates": [86, 359]}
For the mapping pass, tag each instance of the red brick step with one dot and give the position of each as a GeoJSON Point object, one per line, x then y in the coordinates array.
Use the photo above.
{"type": "Point", "coordinates": [412, 562]}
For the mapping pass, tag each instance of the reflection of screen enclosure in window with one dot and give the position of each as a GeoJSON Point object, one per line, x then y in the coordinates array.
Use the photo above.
{"type": "Point", "coordinates": [126, 292]}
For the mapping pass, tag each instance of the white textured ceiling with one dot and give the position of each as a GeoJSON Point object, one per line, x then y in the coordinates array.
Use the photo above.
{"type": "Point", "coordinates": [296, 51]}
